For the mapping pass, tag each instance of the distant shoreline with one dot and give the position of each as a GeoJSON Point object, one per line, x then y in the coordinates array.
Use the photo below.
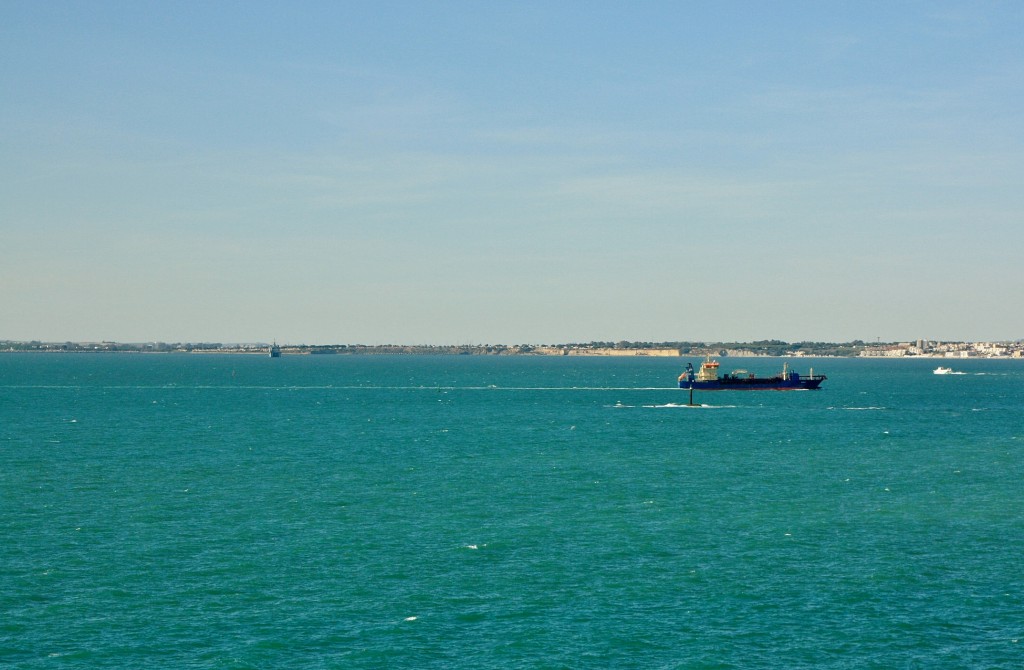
{"type": "Point", "coordinates": [760, 349]}
{"type": "Point", "coordinates": [259, 354]}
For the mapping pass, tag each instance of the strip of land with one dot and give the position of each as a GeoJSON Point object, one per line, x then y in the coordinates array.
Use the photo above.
{"type": "Point", "coordinates": [778, 348]}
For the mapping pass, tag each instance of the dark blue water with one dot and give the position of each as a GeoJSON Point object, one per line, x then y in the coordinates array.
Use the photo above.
{"type": "Point", "coordinates": [217, 511]}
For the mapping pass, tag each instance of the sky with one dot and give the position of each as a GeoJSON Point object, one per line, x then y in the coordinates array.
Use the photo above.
{"type": "Point", "coordinates": [511, 172]}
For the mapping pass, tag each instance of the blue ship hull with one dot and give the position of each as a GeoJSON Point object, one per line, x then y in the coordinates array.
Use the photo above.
{"type": "Point", "coordinates": [794, 383]}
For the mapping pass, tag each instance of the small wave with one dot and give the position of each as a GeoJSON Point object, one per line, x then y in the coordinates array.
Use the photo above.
{"type": "Point", "coordinates": [673, 405]}
{"type": "Point", "coordinates": [332, 387]}
{"type": "Point", "coordinates": [39, 386]}
{"type": "Point", "coordinates": [562, 388]}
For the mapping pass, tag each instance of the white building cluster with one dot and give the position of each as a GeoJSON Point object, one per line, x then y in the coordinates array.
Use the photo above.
{"type": "Point", "coordinates": [928, 349]}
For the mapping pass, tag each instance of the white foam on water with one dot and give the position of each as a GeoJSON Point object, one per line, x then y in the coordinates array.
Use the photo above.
{"type": "Point", "coordinates": [674, 405]}
{"type": "Point", "coordinates": [333, 387]}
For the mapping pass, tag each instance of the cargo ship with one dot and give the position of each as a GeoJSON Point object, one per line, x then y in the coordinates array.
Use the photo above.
{"type": "Point", "coordinates": [707, 379]}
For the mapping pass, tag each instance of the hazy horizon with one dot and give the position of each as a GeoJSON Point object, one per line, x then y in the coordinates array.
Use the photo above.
{"type": "Point", "coordinates": [511, 172]}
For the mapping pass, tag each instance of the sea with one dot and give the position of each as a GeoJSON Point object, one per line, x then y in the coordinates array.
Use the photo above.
{"type": "Point", "coordinates": [239, 511]}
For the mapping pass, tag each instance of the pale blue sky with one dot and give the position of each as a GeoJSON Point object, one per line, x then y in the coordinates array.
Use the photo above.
{"type": "Point", "coordinates": [478, 172]}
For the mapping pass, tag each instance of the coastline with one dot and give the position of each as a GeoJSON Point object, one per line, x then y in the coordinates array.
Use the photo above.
{"type": "Point", "coordinates": [945, 351]}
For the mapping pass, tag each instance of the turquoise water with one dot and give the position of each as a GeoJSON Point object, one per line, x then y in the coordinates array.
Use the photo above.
{"type": "Point", "coordinates": [217, 511]}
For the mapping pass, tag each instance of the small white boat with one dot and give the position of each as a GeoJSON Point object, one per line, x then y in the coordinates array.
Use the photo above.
{"type": "Point", "coordinates": [945, 371]}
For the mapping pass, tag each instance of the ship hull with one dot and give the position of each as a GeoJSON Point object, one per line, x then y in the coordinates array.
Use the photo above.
{"type": "Point", "coordinates": [763, 384]}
